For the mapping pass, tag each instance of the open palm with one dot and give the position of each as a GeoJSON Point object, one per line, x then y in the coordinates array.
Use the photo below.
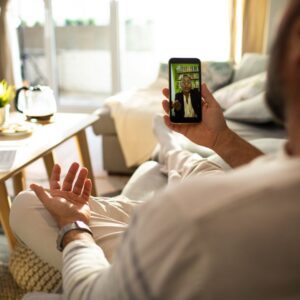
{"type": "Point", "coordinates": [213, 123]}
{"type": "Point", "coordinates": [69, 202]}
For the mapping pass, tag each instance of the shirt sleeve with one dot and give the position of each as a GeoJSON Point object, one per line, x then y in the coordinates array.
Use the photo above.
{"type": "Point", "coordinates": [147, 265]}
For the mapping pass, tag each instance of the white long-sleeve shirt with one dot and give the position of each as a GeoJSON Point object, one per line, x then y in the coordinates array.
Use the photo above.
{"type": "Point", "coordinates": [230, 236]}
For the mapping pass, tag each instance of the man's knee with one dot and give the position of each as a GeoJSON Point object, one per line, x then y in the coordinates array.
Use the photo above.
{"type": "Point", "coordinates": [21, 209]}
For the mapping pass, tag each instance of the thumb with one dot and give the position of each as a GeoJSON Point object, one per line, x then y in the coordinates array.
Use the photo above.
{"type": "Point", "coordinates": [207, 95]}
{"type": "Point", "coordinates": [40, 193]}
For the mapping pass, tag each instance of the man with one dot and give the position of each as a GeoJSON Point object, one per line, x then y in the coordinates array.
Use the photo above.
{"type": "Point", "coordinates": [234, 235]}
{"type": "Point", "coordinates": [187, 102]}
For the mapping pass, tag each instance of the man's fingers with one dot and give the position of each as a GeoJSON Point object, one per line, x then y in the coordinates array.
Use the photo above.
{"type": "Point", "coordinates": [87, 189]}
{"type": "Point", "coordinates": [69, 179]}
{"type": "Point", "coordinates": [166, 107]}
{"type": "Point", "coordinates": [40, 193]}
{"type": "Point", "coordinates": [207, 95]}
{"type": "Point", "coordinates": [166, 92]}
{"type": "Point", "coordinates": [80, 181]}
{"type": "Point", "coordinates": [55, 178]}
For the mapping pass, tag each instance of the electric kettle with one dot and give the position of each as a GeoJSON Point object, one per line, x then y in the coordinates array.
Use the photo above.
{"type": "Point", "coordinates": [39, 102]}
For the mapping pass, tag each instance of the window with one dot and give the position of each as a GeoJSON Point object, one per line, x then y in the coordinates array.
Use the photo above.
{"type": "Point", "coordinates": [152, 31]}
{"type": "Point", "coordinates": [157, 30]}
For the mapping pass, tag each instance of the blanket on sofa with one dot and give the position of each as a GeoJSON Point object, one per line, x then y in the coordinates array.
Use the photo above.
{"type": "Point", "coordinates": [133, 112]}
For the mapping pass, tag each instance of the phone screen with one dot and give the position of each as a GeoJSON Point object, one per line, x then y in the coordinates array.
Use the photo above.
{"type": "Point", "coordinates": [185, 90]}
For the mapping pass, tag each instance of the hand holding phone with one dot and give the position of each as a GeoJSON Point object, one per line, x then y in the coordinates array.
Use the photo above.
{"type": "Point", "coordinates": [204, 133]}
{"type": "Point", "coordinates": [185, 90]}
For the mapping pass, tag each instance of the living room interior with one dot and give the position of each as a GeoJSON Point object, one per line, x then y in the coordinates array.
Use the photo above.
{"type": "Point", "coordinates": [108, 60]}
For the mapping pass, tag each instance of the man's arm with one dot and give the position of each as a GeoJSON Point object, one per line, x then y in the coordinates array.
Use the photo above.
{"type": "Point", "coordinates": [214, 133]}
{"type": "Point", "coordinates": [136, 271]}
{"type": "Point", "coordinates": [235, 150]}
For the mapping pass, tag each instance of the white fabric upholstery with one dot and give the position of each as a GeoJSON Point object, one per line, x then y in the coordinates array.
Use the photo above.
{"type": "Point", "coordinates": [42, 296]}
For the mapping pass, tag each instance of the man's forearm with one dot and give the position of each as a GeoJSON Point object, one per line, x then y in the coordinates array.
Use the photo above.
{"type": "Point", "coordinates": [235, 150]}
{"type": "Point", "coordinates": [76, 235]}
{"type": "Point", "coordinates": [86, 271]}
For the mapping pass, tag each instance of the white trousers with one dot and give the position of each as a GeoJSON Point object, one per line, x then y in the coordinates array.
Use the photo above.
{"type": "Point", "coordinates": [34, 226]}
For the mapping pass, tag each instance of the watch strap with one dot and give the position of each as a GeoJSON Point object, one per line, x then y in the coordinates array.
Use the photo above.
{"type": "Point", "coordinates": [77, 225]}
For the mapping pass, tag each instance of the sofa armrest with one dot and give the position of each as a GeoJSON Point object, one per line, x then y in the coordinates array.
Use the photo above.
{"type": "Point", "coordinates": [105, 125]}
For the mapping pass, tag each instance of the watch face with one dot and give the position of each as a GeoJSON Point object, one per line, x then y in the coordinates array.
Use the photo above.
{"type": "Point", "coordinates": [80, 224]}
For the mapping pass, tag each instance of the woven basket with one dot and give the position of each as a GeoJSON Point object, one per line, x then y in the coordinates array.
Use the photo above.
{"type": "Point", "coordinates": [31, 273]}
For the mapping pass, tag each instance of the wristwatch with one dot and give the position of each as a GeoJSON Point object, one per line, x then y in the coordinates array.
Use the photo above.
{"type": "Point", "coordinates": [77, 225]}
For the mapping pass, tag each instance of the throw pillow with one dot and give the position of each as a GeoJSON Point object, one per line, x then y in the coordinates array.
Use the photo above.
{"type": "Point", "coordinates": [253, 110]}
{"type": "Point", "coordinates": [216, 74]}
{"type": "Point", "coordinates": [251, 64]}
{"type": "Point", "coordinates": [240, 90]}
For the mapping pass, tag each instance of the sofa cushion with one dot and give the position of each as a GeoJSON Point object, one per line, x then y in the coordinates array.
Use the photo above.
{"type": "Point", "coordinates": [241, 90]}
{"type": "Point", "coordinates": [216, 74]}
{"type": "Point", "coordinates": [253, 110]}
{"type": "Point", "coordinates": [251, 64]}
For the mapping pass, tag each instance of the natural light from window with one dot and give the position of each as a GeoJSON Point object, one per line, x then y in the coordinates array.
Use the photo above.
{"type": "Point", "coordinates": [152, 31]}
{"type": "Point", "coordinates": [180, 28]}
{"type": "Point", "coordinates": [197, 28]}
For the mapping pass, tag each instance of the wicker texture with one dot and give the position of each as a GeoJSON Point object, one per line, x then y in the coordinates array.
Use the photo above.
{"type": "Point", "coordinates": [31, 273]}
{"type": "Point", "coordinates": [9, 290]}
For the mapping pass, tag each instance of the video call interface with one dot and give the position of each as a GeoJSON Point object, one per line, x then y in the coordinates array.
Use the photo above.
{"type": "Point", "coordinates": [185, 91]}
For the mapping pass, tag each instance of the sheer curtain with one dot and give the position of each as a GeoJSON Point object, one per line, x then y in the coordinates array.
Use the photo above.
{"type": "Point", "coordinates": [248, 27]}
{"type": "Point", "coordinates": [6, 67]}
{"type": "Point", "coordinates": [254, 25]}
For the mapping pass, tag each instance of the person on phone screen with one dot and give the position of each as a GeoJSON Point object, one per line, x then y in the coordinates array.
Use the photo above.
{"type": "Point", "coordinates": [187, 102]}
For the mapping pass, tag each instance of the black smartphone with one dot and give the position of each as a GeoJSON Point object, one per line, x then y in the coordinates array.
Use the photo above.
{"type": "Point", "coordinates": [185, 90]}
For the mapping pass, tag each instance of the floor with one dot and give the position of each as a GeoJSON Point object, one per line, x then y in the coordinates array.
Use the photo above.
{"type": "Point", "coordinates": [65, 155]}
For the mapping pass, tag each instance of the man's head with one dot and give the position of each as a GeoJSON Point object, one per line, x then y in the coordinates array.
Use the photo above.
{"type": "Point", "coordinates": [186, 84]}
{"type": "Point", "coordinates": [283, 86]}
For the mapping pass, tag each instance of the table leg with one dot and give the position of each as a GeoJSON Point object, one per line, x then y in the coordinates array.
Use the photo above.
{"type": "Point", "coordinates": [84, 154]}
{"type": "Point", "coordinates": [49, 163]}
{"type": "Point", "coordinates": [19, 182]}
{"type": "Point", "coordinates": [4, 215]}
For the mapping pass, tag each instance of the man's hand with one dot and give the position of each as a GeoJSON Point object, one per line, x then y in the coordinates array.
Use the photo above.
{"type": "Point", "coordinates": [176, 105]}
{"type": "Point", "coordinates": [213, 124]}
{"type": "Point", "coordinates": [69, 202]}
{"type": "Point", "coordinates": [213, 132]}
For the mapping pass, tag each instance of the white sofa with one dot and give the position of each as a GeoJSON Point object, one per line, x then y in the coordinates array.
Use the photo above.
{"type": "Point", "coordinates": [239, 89]}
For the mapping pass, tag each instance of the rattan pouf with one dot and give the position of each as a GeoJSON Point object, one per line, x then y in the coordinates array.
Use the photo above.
{"type": "Point", "coordinates": [9, 290]}
{"type": "Point", "coordinates": [31, 273]}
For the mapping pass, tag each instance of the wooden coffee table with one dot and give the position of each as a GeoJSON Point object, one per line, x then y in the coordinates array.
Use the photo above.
{"type": "Point", "coordinates": [40, 144]}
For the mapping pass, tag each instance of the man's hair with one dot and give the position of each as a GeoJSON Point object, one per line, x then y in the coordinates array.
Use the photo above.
{"type": "Point", "coordinates": [186, 75]}
{"type": "Point", "coordinates": [274, 89]}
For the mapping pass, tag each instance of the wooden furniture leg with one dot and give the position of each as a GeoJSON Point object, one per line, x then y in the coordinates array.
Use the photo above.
{"type": "Point", "coordinates": [4, 215]}
{"type": "Point", "coordinates": [84, 154]}
{"type": "Point", "coordinates": [19, 182]}
{"type": "Point", "coordinates": [49, 163]}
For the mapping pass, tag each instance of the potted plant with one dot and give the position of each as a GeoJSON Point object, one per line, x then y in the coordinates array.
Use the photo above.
{"type": "Point", "coordinates": [7, 93]}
